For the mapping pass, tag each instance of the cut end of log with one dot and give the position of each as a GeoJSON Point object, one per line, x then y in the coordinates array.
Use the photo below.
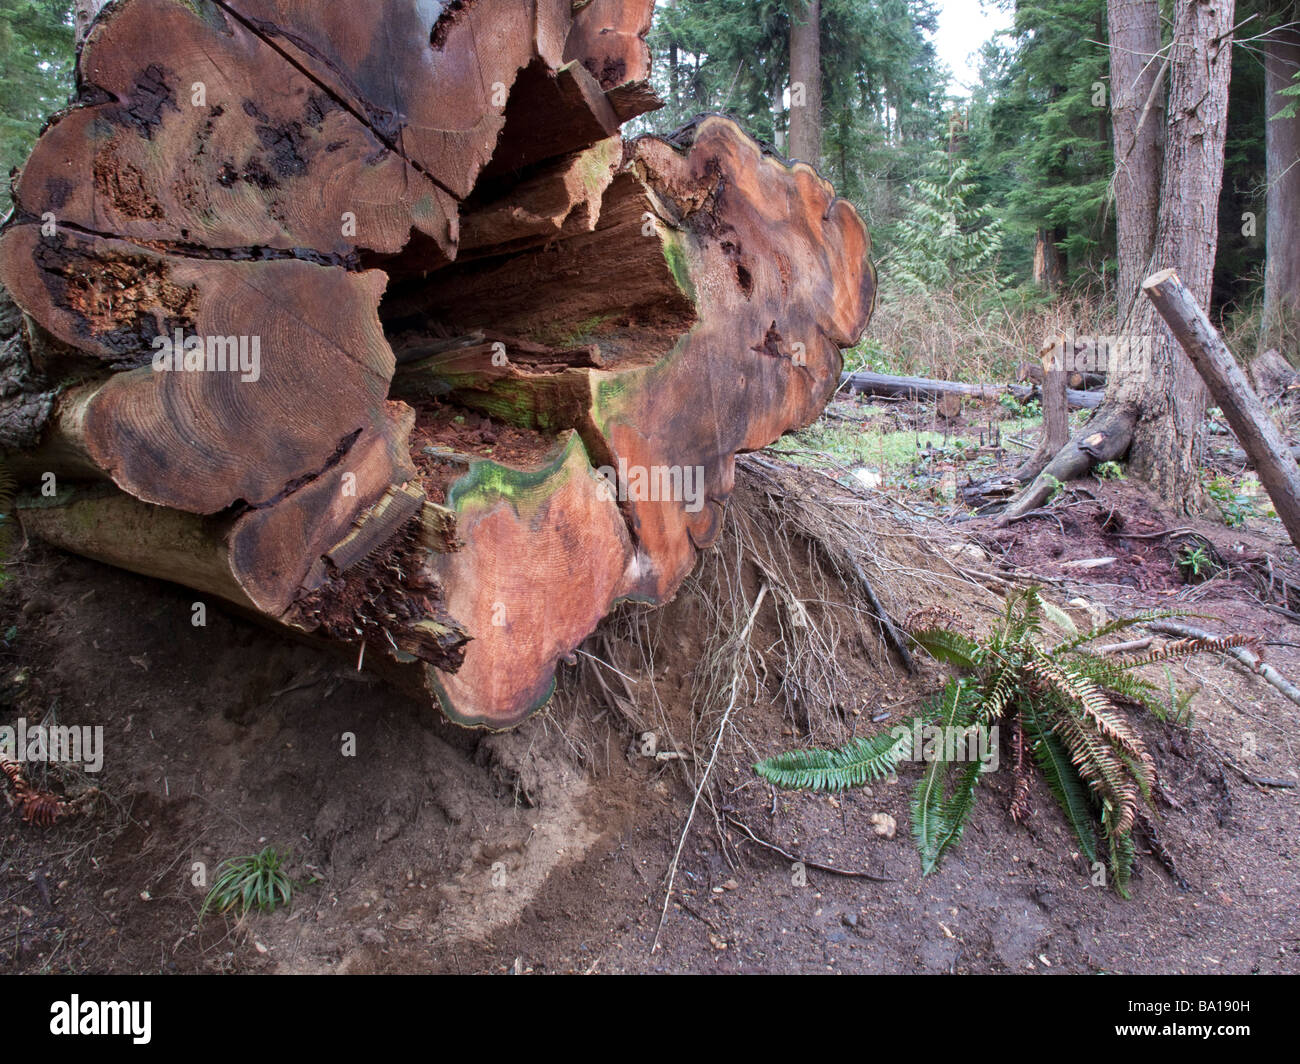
{"type": "Point", "coordinates": [1158, 280]}
{"type": "Point", "coordinates": [403, 338]}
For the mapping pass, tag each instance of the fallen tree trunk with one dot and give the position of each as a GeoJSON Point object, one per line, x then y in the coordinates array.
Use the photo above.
{"type": "Point", "coordinates": [412, 353]}
{"type": "Point", "coordinates": [1225, 380]}
{"type": "Point", "coordinates": [1236, 454]}
{"type": "Point", "coordinates": [881, 384]}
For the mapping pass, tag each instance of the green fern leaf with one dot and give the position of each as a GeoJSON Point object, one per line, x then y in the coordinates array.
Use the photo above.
{"type": "Point", "coordinates": [1064, 783]}
{"type": "Point", "coordinates": [937, 817]}
{"type": "Point", "coordinates": [1058, 617]}
{"type": "Point", "coordinates": [929, 824]}
{"type": "Point", "coordinates": [957, 808]}
{"type": "Point", "coordinates": [855, 764]}
{"type": "Point", "coordinates": [950, 647]}
{"type": "Point", "coordinates": [1122, 856]}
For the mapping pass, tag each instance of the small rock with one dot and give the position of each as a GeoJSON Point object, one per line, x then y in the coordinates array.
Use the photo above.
{"type": "Point", "coordinates": [868, 478]}
{"type": "Point", "coordinates": [731, 884]}
{"type": "Point", "coordinates": [884, 825]}
{"type": "Point", "coordinates": [849, 919]}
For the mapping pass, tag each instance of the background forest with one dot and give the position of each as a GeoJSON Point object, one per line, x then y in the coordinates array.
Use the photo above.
{"type": "Point", "coordinates": [992, 214]}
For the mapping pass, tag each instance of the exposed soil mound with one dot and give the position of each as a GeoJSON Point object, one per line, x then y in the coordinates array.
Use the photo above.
{"type": "Point", "coordinates": [547, 849]}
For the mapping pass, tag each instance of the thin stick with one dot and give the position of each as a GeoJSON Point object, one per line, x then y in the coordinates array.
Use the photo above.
{"type": "Point", "coordinates": [704, 779]}
{"type": "Point", "coordinates": [1251, 661]}
{"type": "Point", "coordinates": [1125, 648]}
{"type": "Point", "coordinates": [803, 860]}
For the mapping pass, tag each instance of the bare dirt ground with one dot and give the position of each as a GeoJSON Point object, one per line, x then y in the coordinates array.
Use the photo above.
{"type": "Point", "coordinates": [546, 850]}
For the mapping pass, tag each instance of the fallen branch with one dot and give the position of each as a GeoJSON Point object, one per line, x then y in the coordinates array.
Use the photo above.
{"type": "Point", "coordinates": [1236, 454]}
{"type": "Point", "coordinates": [1232, 391]}
{"type": "Point", "coordinates": [1250, 660]}
{"type": "Point", "coordinates": [1132, 646]}
{"type": "Point", "coordinates": [885, 386]}
{"type": "Point", "coordinates": [795, 858]}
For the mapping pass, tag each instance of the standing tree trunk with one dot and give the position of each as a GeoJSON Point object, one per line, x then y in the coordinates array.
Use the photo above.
{"type": "Point", "coordinates": [1138, 121]}
{"type": "Point", "coordinates": [674, 70]}
{"type": "Point", "coordinates": [1282, 140]}
{"type": "Point", "coordinates": [806, 81]}
{"type": "Point", "coordinates": [1049, 265]}
{"type": "Point", "coordinates": [1155, 406]}
{"type": "Point", "coordinates": [1160, 379]}
{"type": "Point", "coordinates": [83, 14]}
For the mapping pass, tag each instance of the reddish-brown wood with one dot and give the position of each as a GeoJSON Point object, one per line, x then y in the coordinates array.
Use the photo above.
{"type": "Point", "coordinates": [506, 360]}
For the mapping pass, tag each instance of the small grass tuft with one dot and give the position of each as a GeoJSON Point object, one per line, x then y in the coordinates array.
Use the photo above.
{"type": "Point", "coordinates": [257, 881]}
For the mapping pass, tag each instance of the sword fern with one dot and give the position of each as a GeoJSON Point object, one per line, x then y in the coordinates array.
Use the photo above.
{"type": "Point", "coordinates": [1064, 704]}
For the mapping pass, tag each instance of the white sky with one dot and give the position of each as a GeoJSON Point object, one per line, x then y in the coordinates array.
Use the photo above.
{"type": "Point", "coordinates": [964, 25]}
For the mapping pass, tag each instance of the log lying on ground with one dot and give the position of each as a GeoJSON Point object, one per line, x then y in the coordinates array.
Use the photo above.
{"type": "Point", "coordinates": [880, 384]}
{"type": "Point", "coordinates": [1236, 454]}
{"type": "Point", "coordinates": [1245, 655]}
{"type": "Point", "coordinates": [456, 369]}
{"type": "Point", "coordinates": [1226, 381]}
{"type": "Point", "coordinates": [1076, 380]}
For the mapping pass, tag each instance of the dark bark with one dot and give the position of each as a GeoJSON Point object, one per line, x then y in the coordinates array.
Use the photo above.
{"type": "Point", "coordinates": [1168, 437]}
{"type": "Point", "coordinates": [1049, 263]}
{"type": "Point", "coordinates": [806, 71]}
{"type": "Point", "coordinates": [1138, 122]}
{"type": "Point", "coordinates": [1155, 404]}
{"type": "Point", "coordinates": [1282, 140]}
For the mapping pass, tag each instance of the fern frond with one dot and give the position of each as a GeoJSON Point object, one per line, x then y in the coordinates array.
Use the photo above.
{"type": "Point", "coordinates": [930, 828]}
{"type": "Point", "coordinates": [1023, 616]}
{"type": "Point", "coordinates": [1122, 856]}
{"type": "Point", "coordinates": [1001, 693]}
{"type": "Point", "coordinates": [932, 808]}
{"type": "Point", "coordinates": [957, 808]}
{"type": "Point", "coordinates": [855, 764]}
{"type": "Point", "coordinates": [1103, 769]}
{"type": "Point", "coordinates": [1065, 784]}
{"type": "Point", "coordinates": [1058, 617]}
{"type": "Point", "coordinates": [1070, 684]}
{"type": "Point", "coordinates": [1186, 648]}
{"type": "Point", "coordinates": [950, 647]}
{"type": "Point", "coordinates": [1120, 625]}
{"type": "Point", "coordinates": [1115, 676]}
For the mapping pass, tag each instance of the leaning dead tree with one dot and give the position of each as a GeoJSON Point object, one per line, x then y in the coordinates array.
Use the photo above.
{"type": "Point", "coordinates": [371, 324]}
{"type": "Point", "coordinates": [1231, 389]}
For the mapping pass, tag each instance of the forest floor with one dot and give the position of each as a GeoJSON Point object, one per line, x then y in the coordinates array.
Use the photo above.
{"type": "Point", "coordinates": [547, 849]}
